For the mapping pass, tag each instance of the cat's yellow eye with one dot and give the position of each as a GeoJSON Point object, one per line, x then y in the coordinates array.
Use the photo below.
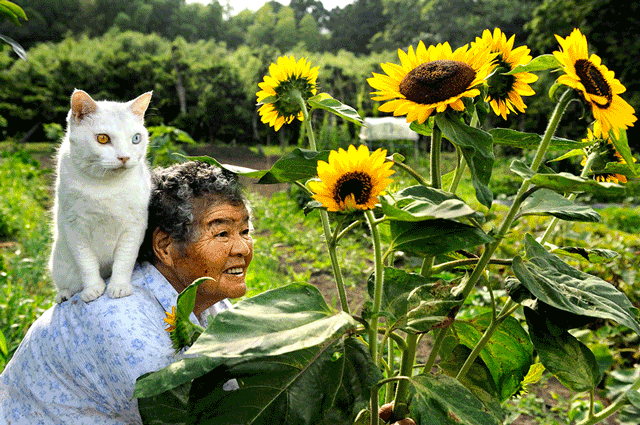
{"type": "Point", "coordinates": [103, 139]}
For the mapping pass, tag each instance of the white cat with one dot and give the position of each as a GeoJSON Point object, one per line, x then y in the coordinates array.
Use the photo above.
{"type": "Point", "coordinates": [101, 197]}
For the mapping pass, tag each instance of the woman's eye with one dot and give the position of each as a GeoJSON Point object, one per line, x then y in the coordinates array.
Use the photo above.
{"type": "Point", "coordinates": [103, 139]}
{"type": "Point", "coordinates": [136, 139]}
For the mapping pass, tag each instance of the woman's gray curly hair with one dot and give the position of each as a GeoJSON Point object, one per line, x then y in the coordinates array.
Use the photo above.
{"type": "Point", "coordinates": [174, 190]}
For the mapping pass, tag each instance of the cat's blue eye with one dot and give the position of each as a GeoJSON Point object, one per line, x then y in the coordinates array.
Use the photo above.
{"type": "Point", "coordinates": [136, 139]}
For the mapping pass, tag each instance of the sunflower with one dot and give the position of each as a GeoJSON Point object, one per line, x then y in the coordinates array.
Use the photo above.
{"type": "Point", "coordinates": [280, 91]}
{"type": "Point", "coordinates": [596, 83]}
{"type": "Point", "coordinates": [352, 179]}
{"type": "Point", "coordinates": [171, 319]}
{"type": "Point", "coordinates": [506, 91]}
{"type": "Point", "coordinates": [606, 153]}
{"type": "Point", "coordinates": [430, 80]}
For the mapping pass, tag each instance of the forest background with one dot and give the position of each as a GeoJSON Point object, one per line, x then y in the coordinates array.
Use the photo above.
{"type": "Point", "coordinates": [204, 64]}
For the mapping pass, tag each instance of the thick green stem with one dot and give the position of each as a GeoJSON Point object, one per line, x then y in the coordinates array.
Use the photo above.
{"type": "Point", "coordinates": [585, 172]}
{"type": "Point", "coordinates": [324, 217]}
{"type": "Point", "coordinates": [461, 166]}
{"type": "Point", "coordinates": [378, 280]}
{"type": "Point", "coordinates": [436, 145]}
{"type": "Point", "coordinates": [406, 369]}
{"type": "Point", "coordinates": [508, 220]}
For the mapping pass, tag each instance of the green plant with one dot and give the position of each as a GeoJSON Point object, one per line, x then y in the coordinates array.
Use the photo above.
{"type": "Point", "coordinates": [311, 362]}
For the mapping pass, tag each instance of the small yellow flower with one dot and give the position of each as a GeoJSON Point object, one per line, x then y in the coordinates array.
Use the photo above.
{"type": "Point", "coordinates": [280, 91]}
{"type": "Point", "coordinates": [171, 319]}
{"type": "Point", "coordinates": [352, 179]}
{"type": "Point", "coordinates": [596, 83]}
{"type": "Point", "coordinates": [506, 91]}
{"type": "Point", "coordinates": [429, 80]}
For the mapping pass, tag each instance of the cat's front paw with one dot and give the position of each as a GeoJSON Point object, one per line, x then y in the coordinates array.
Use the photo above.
{"type": "Point", "coordinates": [63, 295]}
{"type": "Point", "coordinates": [119, 289]}
{"type": "Point", "coordinates": [92, 292]}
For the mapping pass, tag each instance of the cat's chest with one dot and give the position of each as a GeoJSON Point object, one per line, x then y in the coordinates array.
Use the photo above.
{"type": "Point", "coordinates": [119, 200]}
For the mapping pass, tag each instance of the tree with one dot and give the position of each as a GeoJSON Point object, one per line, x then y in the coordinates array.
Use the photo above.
{"type": "Point", "coordinates": [355, 25]}
{"type": "Point", "coordinates": [262, 29]}
{"type": "Point", "coordinates": [309, 33]}
{"type": "Point", "coordinates": [285, 34]}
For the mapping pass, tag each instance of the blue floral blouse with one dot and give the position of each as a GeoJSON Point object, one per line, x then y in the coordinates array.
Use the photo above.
{"type": "Point", "coordinates": [79, 361]}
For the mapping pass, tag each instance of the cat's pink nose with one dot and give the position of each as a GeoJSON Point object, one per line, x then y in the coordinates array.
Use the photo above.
{"type": "Point", "coordinates": [124, 159]}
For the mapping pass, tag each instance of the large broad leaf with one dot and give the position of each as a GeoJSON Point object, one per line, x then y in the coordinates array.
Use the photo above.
{"type": "Point", "coordinates": [169, 408]}
{"type": "Point", "coordinates": [333, 381]}
{"type": "Point", "coordinates": [300, 164]}
{"type": "Point", "coordinates": [540, 63]}
{"type": "Point", "coordinates": [442, 400]}
{"type": "Point", "coordinates": [478, 379]}
{"type": "Point", "coordinates": [434, 237]}
{"type": "Point", "coordinates": [565, 182]}
{"type": "Point", "coordinates": [287, 319]}
{"type": "Point", "coordinates": [547, 202]}
{"type": "Point", "coordinates": [561, 286]}
{"type": "Point", "coordinates": [477, 148]}
{"type": "Point", "coordinates": [328, 103]}
{"type": "Point", "coordinates": [418, 203]}
{"type": "Point", "coordinates": [562, 354]}
{"type": "Point", "coordinates": [426, 128]}
{"type": "Point", "coordinates": [518, 139]}
{"type": "Point", "coordinates": [508, 355]}
{"type": "Point", "coordinates": [414, 303]}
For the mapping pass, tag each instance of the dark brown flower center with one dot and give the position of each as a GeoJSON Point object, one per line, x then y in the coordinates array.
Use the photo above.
{"type": "Point", "coordinates": [437, 81]}
{"type": "Point", "coordinates": [355, 183]}
{"type": "Point", "coordinates": [593, 81]}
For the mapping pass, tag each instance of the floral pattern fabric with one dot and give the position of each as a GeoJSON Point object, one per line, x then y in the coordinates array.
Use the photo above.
{"type": "Point", "coordinates": [79, 361]}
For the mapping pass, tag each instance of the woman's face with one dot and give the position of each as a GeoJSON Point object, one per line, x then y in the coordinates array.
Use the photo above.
{"type": "Point", "coordinates": [222, 250]}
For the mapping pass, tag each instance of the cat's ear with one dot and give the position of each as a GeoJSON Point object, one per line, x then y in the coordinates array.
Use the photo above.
{"type": "Point", "coordinates": [139, 105]}
{"type": "Point", "coordinates": [82, 104]}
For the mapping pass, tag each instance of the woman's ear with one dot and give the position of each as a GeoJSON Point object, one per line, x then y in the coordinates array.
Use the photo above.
{"type": "Point", "coordinates": [161, 244]}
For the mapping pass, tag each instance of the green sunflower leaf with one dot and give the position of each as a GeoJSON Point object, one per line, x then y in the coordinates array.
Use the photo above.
{"type": "Point", "coordinates": [328, 103]}
{"type": "Point", "coordinates": [434, 237]}
{"type": "Point", "coordinates": [618, 168]}
{"type": "Point", "coordinates": [546, 202]}
{"type": "Point", "coordinates": [477, 148]}
{"type": "Point", "coordinates": [518, 139]}
{"type": "Point", "coordinates": [566, 182]}
{"type": "Point", "coordinates": [442, 400]}
{"type": "Point", "coordinates": [508, 355]}
{"type": "Point", "coordinates": [300, 164]}
{"type": "Point", "coordinates": [570, 154]}
{"type": "Point", "coordinates": [622, 146]}
{"type": "Point", "coordinates": [541, 63]}
{"type": "Point", "coordinates": [592, 255]}
{"type": "Point", "coordinates": [292, 318]}
{"type": "Point", "coordinates": [555, 283]}
{"type": "Point", "coordinates": [418, 203]}
{"type": "Point", "coordinates": [562, 354]}
{"type": "Point", "coordinates": [415, 303]}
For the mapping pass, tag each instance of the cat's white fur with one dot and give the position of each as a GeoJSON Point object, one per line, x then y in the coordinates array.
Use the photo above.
{"type": "Point", "coordinates": [101, 197]}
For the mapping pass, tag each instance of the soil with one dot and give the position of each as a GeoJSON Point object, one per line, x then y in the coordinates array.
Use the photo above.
{"type": "Point", "coordinates": [550, 393]}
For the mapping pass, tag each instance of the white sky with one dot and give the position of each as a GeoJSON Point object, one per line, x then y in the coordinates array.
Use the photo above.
{"type": "Point", "coordinates": [240, 5]}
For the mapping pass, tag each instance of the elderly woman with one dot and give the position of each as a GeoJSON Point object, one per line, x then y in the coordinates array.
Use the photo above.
{"type": "Point", "coordinates": [79, 361]}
